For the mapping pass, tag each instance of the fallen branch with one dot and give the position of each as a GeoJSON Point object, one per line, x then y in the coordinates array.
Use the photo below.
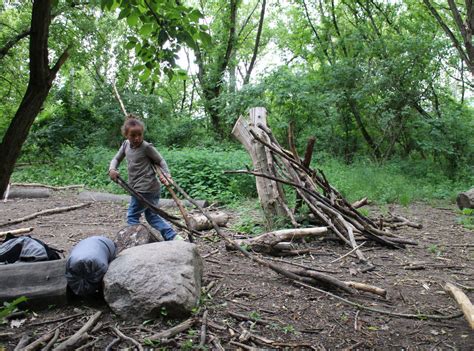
{"type": "Point", "coordinates": [51, 342]}
{"type": "Point", "coordinates": [463, 302]}
{"type": "Point", "coordinates": [267, 243]}
{"type": "Point", "coordinates": [168, 333]}
{"type": "Point", "coordinates": [371, 309]}
{"type": "Point", "coordinates": [243, 317]}
{"type": "Point", "coordinates": [112, 344]}
{"type": "Point", "coordinates": [57, 319]}
{"type": "Point", "coordinates": [202, 341]}
{"type": "Point", "coordinates": [127, 338]}
{"type": "Point", "coordinates": [44, 213]}
{"type": "Point", "coordinates": [39, 342]}
{"type": "Point", "coordinates": [37, 185]}
{"type": "Point", "coordinates": [347, 254]}
{"type": "Point", "coordinates": [16, 231]}
{"type": "Point", "coordinates": [78, 336]}
{"type": "Point", "coordinates": [24, 340]}
{"type": "Point", "coordinates": [368, 288]}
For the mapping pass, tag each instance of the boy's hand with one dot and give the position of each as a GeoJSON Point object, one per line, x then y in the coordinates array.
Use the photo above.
{"type": "Point", "coordinates": [113, 174]}
{"type": "Point", "coordinates": [164, 179]}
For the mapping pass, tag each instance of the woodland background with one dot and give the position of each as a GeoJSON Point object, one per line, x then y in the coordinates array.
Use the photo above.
{"type": "Point", "coordinates": [378, 83]}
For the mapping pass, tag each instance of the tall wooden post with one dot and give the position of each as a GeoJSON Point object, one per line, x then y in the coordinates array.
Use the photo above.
{"type": "Point", "coordinates": [269, 192]}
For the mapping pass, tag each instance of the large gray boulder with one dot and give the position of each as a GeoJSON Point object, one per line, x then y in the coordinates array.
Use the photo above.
{"type": "Point", "coordinates": [149, 280]}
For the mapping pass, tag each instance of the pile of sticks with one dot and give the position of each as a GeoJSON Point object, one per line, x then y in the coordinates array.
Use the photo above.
{"type": "Point", "coordinates": [326, 205]}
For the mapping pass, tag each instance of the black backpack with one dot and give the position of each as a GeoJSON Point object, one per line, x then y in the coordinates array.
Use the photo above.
{"type": "Point", "coordinates": [12, 253]}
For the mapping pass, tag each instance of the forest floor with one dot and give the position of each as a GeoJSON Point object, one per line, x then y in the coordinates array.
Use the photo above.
{"type": "Point", "coordinates": [289, 315]}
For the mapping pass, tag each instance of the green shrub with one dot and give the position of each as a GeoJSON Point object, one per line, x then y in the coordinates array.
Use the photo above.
{"type": "Point", "coordinates": [200, 172]}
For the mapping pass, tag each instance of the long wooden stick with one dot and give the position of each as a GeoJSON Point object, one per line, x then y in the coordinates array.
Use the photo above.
{"type": "Point", "coordinates": [38, 185]}
{"type": "Point", "coordinates": [45, 213]}
{"type": "Point", "coordinates": [145, 202]}
{"type": "Point", "coordinates": [183, 211]}
{"type": "Point", "coordinates": [371, 309]}
{"type": "Point", "coordinates": [16, 231]}
{"type": "Point", "coordinates": [463, 302]}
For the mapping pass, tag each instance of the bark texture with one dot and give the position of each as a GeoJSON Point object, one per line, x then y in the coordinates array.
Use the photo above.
{"type": "Point", "coordinates": [41, 79]}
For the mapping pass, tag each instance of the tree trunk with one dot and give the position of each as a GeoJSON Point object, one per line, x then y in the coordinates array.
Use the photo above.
{"type": "Point", "coordinates": [466, 199]}
{"type": "Point", "coordinates": [268, 192]}
{"type": "Point", "coordinates": [41, 78]}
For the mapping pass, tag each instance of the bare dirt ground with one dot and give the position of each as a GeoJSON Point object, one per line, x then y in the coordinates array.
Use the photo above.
{"type": "Point", "coordinates": [288, 315]}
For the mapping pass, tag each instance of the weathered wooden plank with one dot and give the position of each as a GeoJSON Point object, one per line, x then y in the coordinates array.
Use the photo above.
{"type": "Point", "coordinates": [43, 283]}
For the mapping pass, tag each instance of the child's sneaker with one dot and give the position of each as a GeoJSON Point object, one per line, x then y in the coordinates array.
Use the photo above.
{"type": "Point", "coordinates": [178, 237]}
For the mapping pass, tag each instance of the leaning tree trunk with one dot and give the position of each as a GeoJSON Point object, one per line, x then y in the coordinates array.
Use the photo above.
{"type": "Point", "coordinates": [269, 192]}
{"type": "Point", "coordinates": [41, 78]}
{"type": "Point", "coordinates": [466, 199]}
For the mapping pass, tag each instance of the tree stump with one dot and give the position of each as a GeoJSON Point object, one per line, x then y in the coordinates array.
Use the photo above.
{"type": "Point", "coordinates": [135, 235]}
{"type": "Point", "coordinates": [466, 199]}
{"type": "Point", "coordinates": [269, 191]}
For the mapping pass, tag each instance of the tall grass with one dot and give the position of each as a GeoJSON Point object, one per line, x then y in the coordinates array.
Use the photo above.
{"type": "Point", "coordinates": [200, 172]}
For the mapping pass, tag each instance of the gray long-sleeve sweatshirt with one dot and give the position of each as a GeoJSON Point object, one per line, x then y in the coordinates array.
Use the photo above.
{"type": "Point", "coordinates": [141, 175]}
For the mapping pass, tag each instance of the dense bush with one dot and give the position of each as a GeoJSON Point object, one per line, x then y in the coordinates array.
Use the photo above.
{"type": "Point", "coordinates": [200, 173]}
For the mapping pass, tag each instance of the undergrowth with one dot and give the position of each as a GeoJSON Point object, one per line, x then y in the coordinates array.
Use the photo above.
{"type": "Point", "coordinates": [200, 172]}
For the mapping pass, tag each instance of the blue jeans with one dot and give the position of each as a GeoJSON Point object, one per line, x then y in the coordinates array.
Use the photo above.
{"type": "Point", "coordinates": [136, 209]}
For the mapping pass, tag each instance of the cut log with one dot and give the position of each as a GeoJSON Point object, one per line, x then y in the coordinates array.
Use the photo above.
{"type": "Point", "coordinates": [268, 190]}
{"type": "Point", "coordinates": [29, 193]}
{"type": "Point", "coordinates": [267, 243]}
{"type": "Point", "coordinates": [360, 203]}
{"type": "Point", "coordinates": [463, 301]}
{"type": "Point", "coordinates": [466, 199]}
{"type": "Point", "coordinates": [43, 283]}
{"type": "Point", "coordinates": [200, 222]}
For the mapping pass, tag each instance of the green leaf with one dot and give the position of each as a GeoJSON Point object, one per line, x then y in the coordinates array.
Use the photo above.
{"type": "Point", "coordinates": [187, 38]}
{"type": "Point", "coordinates": [205, 38]}
{"type": "Point", "coordinates": [130, 45]}
{"type": "Point", "coordinates": [132, 19]}
{"type": "Point", "coordinates": [146, 29]}
{"type": "Point", "coordinates": [144, 76]}
{"type": "Point", "coordinates": [124, 13]}
{"type": "Point", "coordinates": [194, 15]}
